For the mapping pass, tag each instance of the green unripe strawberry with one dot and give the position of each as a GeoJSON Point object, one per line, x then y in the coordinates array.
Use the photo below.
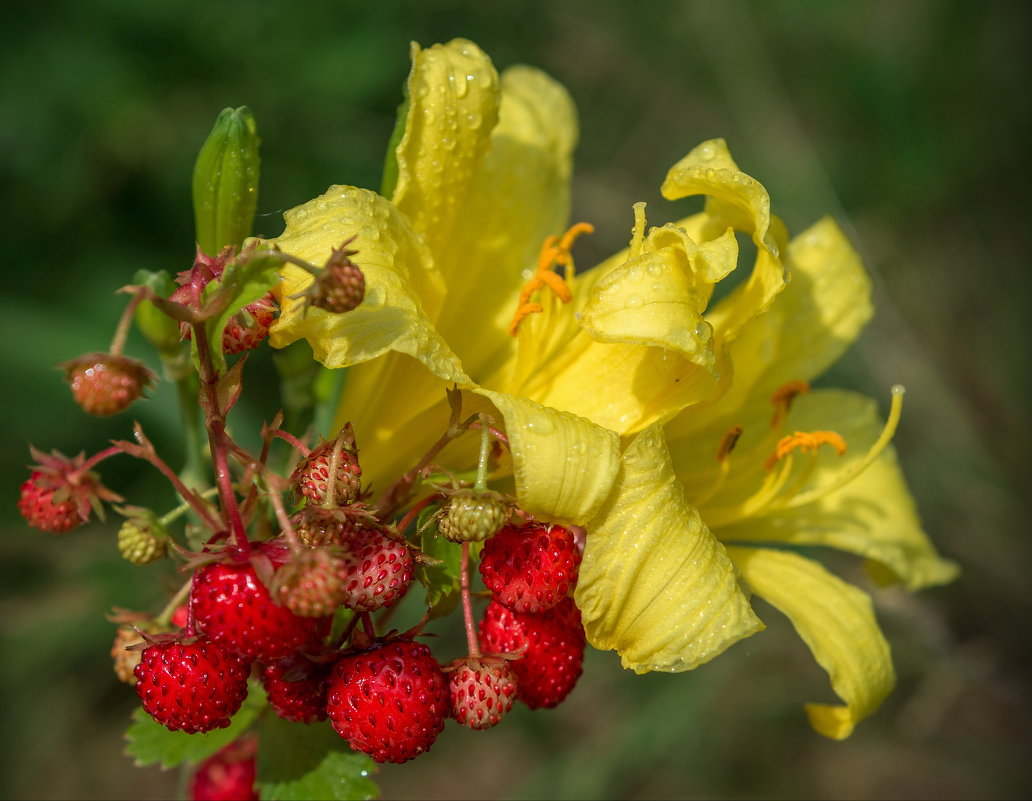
{"type": "Point", "coordinates": [142, 539]}
{"type": "Point", "coordinates": [472, 516]}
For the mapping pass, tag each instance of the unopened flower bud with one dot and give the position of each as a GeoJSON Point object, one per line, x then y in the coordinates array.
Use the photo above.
{"type": "Point", "coordinates": [225, 181]}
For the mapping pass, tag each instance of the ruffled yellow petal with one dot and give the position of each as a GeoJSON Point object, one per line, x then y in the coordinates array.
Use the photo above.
{"type": "Point", "coordinates": [396, 265]}
{"type": "Point", "coordinates": [735, 200]}
{"type": "Point", "coordinates": [518, 197]}
{"type": "Point", "coordinates": [872, 516]}
{"type": "Point", "coordinates": [643, 336]}
{"type": "Point", "coordinates": [452, 106]}
{"type": "Point", "coordinates": [837, 623]}
{"type": "Point", "coordinates": [654, 584]}
{"type": "Point", "coordinates": [564, 465]}
{"type": "Point", "coordinates": [806, 330]}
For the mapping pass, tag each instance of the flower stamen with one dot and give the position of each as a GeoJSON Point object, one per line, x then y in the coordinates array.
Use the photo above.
{"type": "Point", "coordinates": [727, 444]}
{"type": "Point", "coordinates": [555, 252]}
{"type": "Point", "coordinates": [782, 399]}
{"type": "Point", "coordinates": [805, 441]}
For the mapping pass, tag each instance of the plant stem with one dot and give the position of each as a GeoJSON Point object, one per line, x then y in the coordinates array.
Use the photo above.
{"type": "Point", "coordinates": [467, 604]}
{"type": "Point", "coordinates": [485, 452]}
{"type": "Point", "coordinates": [215, 423]}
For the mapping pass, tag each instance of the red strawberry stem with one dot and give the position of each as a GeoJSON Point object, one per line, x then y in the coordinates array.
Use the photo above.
{"type": "Point", "coordinates": [97, 458]}
{"type": "Point", "coordinates": [406, 521]}
{"type": "Point", "coordinates": [467, 604]}
{"type": "Point", "coordinates": [218, 439]}
{"type": "Point", "coordinates": [122, 331]}
{"type": "Point", "coordinates": [286, 436]}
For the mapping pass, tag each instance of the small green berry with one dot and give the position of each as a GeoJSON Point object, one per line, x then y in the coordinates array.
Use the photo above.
{"type": "Point", "coordinates": [472, 516]}
{"type": "Point", "coordinates": [142, 539]}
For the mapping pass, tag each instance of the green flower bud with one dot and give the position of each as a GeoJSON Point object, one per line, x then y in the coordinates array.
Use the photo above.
{"type": "Point", "coordinates": [225, 181]}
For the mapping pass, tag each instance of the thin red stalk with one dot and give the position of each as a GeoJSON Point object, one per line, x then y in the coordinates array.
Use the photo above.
{"type": "Point", "coordinates": [286, 436]}
{"type": "Point", "coordinates": [467, 603]}
{"type": "Point", "coordinates": [122, 331]}
{"type": "Point", "coordinates": [415, 510]}
{"type": "Point", "coordinates": [215, 423]}
{"type": "Point", "coordinates": [99, 457]}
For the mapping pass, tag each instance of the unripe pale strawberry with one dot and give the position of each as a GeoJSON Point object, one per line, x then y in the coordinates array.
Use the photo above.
{"type": "Point", "coordinates": [126, 661]}
{"type": "Point", "coordinates": [103, 384]}
{"type": "Point", "coordinates": [318, 526]}
{"type": "Point", "coordinates": [312, 583]}
{"type": "Point", "coordinates": [376, 570]}
{"type": "Point", "coordinates": [472, 516]}
{"type": "Point", "coordinates": [390, 702]}
{"type": "Point", "coordinates": [482, 690]}
{"type": "Point", "coordinates": [142, 539]}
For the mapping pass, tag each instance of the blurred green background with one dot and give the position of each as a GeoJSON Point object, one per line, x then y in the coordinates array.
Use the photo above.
{"type": "Point", "coordinates": [908, 121]}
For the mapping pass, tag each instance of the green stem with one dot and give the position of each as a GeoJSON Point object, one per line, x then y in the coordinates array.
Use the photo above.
{"type": "Point", "coordinates": [485, 454]}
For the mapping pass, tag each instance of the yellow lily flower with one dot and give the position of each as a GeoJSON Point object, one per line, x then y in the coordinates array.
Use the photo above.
{"type": "Point", "coordinates": [608, 366]}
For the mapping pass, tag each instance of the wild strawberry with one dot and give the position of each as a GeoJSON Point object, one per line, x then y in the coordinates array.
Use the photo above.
{"type": "Point", "coordinates": [142, 539]}
{"type": "Point", "coordinates": [126, 661]}
{"type": "Point", "coordinates": [180, 616]}
{"type": "Point", "coordinates": [389, 703]}
{"type": "Point", "coordinates": [104, 384]}
{"type": "Point", "coordinates": [530, 568]}
{"type": "Point", "coordinates": [312, 583]}
{"type": "Point", "coordinates": [59, 494]}
{"type": "Point", "coordinates": [318, 525]}
{"type": "Point", "coordinates": [234, 608]}
{"type": "Point", "coordinates": [245, 329]}
{"type": "Point", "coordinates": [311, 478]}
{"type": "Point", "coordinates": [228, 774]}
{"type": "Point", "coordinates": [296, 687]}
{"type": "Point", "coordinates": [339, 287]}
{"type": "Point", "coordinates": [190, 686]}
{"type": "Point", "coordinates": [376, 570]}
{"type": "Point", "coordinates": [552, 644]}
{"type": "Point", "coordinates": [472, 516]}
{"type": "Point", "coordinates": [482, 690]}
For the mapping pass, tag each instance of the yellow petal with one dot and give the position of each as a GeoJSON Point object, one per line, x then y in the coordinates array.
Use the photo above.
{"type": "Point", "coordinates": [564, 465]}
{"type": "Point", "coordinates": [737, 200]}
{"type": "Point", "coordinates": [518, 197]}
{"type": "Point", "coordinates": [806, 330]}
{"type": "Point", "coordinates": [396, 265]}
{"type": "Point", "coordinates": [837, 623]}
{"type": "Point", "coordinates": [453, 105]}
{"type": "Point", "coordinates": [654, 584]}
{"type": "Point", "coordinates": [872, 516]}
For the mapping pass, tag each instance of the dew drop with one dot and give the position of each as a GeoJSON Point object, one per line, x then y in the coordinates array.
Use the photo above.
{"type": "Point", "coordinates": [655, 269]}
{"type": "Point", "coordinates": [538, 424]}
{"type": "Point", "coordinates": [634, 301]}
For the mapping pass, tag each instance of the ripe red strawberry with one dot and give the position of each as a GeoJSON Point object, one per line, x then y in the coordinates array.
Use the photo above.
{"type": "Point", "coordinates": [296, 687]}
{"type": "Point", "coordinates": [190, 686]}
{"type": "Point", "coordinates": [553, 649]}
{"type": "Point", "coordinates": [311, 478]}
{"type": "Point", "coordinates": [530, 568]}
{"type": "Point", "coordinates": [389, 703]}
{"type": "Point", "coordinates": [482, 690]}
{"type": "Point", "coordinates": [104, 384]}
{"type": "Point", "coordinates": [59, 494]}
{"type": "Point", "coordinates": [376, 570]}
{"type": "Point", "coordinates": [235, 609]}
{"type": "Point", "coordinates": [228, 774]}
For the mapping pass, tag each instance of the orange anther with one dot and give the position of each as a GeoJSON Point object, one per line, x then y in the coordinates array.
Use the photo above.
{"type": "Point", "coordinates": [805, 441]}
{"type": "Point", "coordinates": [727, 444]}
{"type": "Point", "coordinates": [555, 251]}
{"type": "Point", "coordinates": [782, 398]}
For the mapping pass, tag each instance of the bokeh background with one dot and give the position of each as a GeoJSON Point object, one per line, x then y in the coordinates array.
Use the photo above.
{"type": "Point", "coordinates": [907, 120]}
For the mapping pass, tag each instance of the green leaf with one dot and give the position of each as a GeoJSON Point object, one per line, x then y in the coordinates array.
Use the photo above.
{"type": "Point", "coordinates": [159, 329]}
{"type": "Point", "coordinates": [149, 742]}
{"type": "Point", "coordinates": [247, 278]}
{"type": "Point", "coordinates": [297, 761]}
{"type": "Point", "coordinates": [443, 578]}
